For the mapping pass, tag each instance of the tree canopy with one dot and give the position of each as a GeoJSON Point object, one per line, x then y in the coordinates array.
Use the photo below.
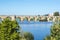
{"type": "Point", "coordinates": [55, 32]}
{"type": "Point", "coordinates": [56, 13]}
{"type": "Point", "coordinates": [28, 36]}
{"type": "Point", "coordinates": [9, 31]}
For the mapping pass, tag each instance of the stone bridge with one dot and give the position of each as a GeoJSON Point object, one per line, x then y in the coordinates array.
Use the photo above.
{"type": "Point", "coordinates": [32, 18]}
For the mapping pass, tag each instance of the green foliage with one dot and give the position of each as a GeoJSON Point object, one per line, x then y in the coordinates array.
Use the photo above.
{"type": "Point", "coordinates": [56, 13]}
{"type": "Point", "coordinates": [28, 36]}
{"type": "Point", "coordinates": [48, 38]}
{"type": "Point", "coordinates": [55, 32]}
{"type": "Point", "coordinates": [8, 30]}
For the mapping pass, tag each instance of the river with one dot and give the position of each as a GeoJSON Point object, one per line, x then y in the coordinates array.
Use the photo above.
{"type": "Point", "coordinates": [39, 29]}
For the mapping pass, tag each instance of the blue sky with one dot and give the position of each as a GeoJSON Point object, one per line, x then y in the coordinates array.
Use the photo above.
{"type": "Point", "coordinates": [28, 7]}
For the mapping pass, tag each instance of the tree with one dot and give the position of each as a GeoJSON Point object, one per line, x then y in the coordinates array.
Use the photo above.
{"type": "Point", "coordinates": [48, 38]}
{"type": "Point", "coordinates": [56, 13]}
{"type": "Point", "coordinates": [28, 36]}
{"type": "Point", "coordinates": [8, 30]}
{"type": "Point", "coordinates": [55, 32]}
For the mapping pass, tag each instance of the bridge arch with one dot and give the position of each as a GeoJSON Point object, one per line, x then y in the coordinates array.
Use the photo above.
{"type": "Point", "coordinates": [9, 17]}
{"type": "Point", "coordinates": [37, 19]}
{"type": "Point", "coordinates": [50, 18]}
{"type": "Point", "coordinates": [25, 19]}
{"type": "Point", "coordinates": [18, 18]}
{"type": "Point", "coordinates": [32, 19]}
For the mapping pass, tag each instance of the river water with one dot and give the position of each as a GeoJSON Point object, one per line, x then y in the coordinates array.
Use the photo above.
{"type": "Point", "coordinates": [39, 29]}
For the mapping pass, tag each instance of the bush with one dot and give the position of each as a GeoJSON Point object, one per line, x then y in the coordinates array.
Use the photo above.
{"type": "Point", "coordinates": [55, 32]}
